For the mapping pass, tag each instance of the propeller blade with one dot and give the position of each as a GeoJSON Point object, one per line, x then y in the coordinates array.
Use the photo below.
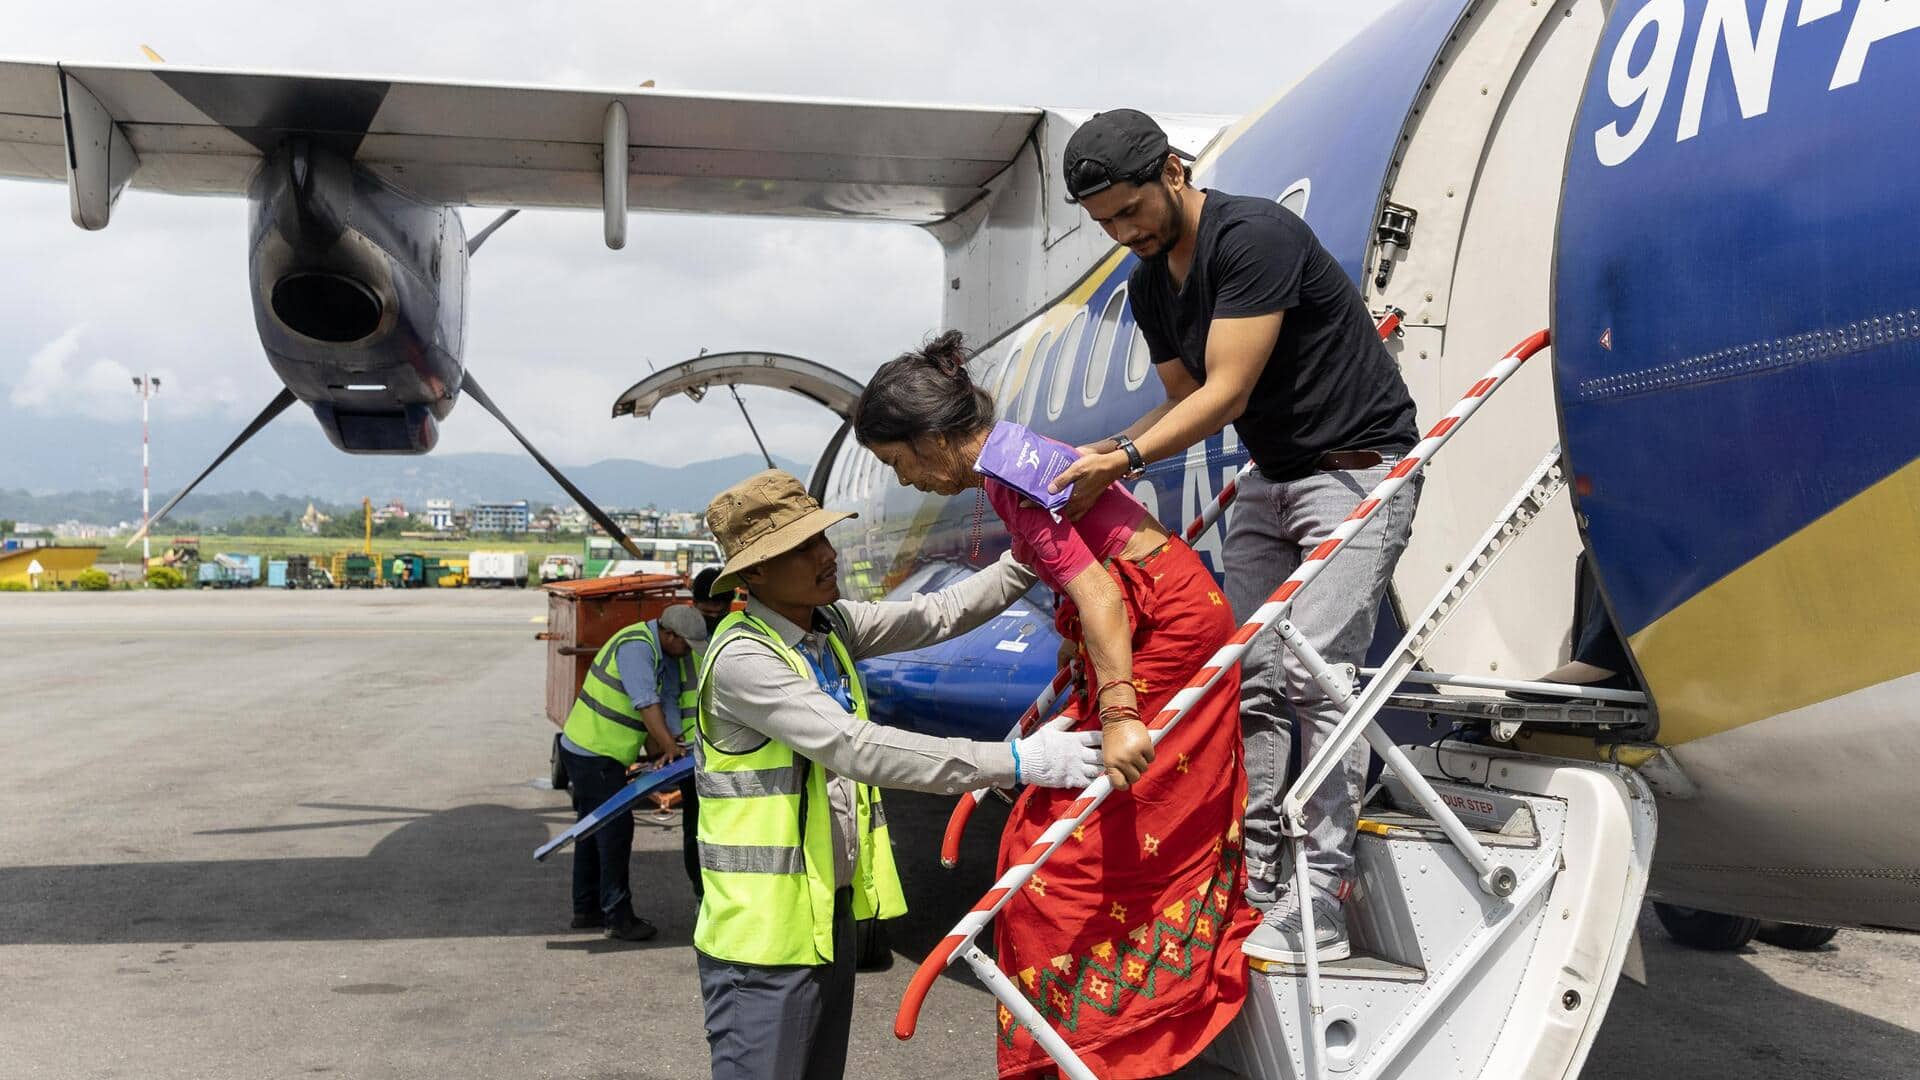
{"type": "Point", "coordinates": [471, 387]}
{"type": "Point", "coordinates": [274, 408]}
{"type": "Point", "coordinates": [474, 241]}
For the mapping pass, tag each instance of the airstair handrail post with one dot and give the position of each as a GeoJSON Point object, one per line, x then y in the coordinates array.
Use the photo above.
{"type": "Point", "coordinates": [1016, 1003]}
{"type": "Point", "coordinates": [1359, 722]}
{"type": "Point", "coordinates": [1314, 1052]}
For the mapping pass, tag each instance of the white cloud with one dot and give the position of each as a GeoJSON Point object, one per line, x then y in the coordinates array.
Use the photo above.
{"type": "Point", "coordinates": [56, 382]}
{"type": "Point", "coordinates": [44, 379]}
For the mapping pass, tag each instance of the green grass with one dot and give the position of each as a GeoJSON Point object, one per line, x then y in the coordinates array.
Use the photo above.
{"type": "Point", "coordinates": [279, 547]}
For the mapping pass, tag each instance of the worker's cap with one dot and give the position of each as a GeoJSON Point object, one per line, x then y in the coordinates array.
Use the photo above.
{"type": "Point", "coordinates": [703, 590]}
{"type": "Point", "coordinates": [765, 515]}
{"type": "Point", "coordinates": [1119, 146]}
{"type": "Point", "coordinates": [685, 620]}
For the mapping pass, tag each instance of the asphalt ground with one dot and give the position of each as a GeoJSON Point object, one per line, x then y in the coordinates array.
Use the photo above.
{"type": "Point", "coordinates": [249, 835]}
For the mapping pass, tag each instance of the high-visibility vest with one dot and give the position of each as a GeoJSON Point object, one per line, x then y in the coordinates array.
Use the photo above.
{"type": "Point", "coordinates": [689, 692]}
{"type": "Point", "coordinates": [766, 834]}
{"type": "Point", "coordinates": [603, 720]}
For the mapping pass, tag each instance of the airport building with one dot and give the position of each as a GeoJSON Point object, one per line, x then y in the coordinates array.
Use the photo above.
{"type": "Point", "coordinates": [47, 566]}
{"type": "Point", "coordinates": [501, 517]}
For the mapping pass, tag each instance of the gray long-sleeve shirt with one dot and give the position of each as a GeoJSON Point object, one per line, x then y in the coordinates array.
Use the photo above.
{"type": "Point", "coordinates": [754, 696]}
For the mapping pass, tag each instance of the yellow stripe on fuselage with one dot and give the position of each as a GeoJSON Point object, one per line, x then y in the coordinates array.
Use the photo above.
{"type": "Point", "coordinates": [1829, 610]}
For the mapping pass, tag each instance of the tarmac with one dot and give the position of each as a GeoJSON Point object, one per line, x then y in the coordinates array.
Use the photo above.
{"type": "Point", "coordinates": [249, 835]}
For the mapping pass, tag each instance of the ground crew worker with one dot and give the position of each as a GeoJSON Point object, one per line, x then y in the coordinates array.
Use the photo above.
{"type": "Point", "coordinates": [640, 685]}
{"type": "Point", "coordinates": [714, 604]}
{"type": "Point", "coordinates": [1250, 321]}
{"type": "Point", "coordinates": [793, 838]}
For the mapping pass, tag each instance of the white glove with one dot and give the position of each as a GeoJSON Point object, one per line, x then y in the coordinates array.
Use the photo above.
{"type": "Point", "coordinates": [1064, 759]}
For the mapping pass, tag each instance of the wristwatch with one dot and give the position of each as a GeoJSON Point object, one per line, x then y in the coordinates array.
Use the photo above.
{"type": "Point", "coordinates": [1136, 465]}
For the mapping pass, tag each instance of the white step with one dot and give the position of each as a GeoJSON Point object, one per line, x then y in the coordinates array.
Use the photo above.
{"type": "Point", "coordinates": [1446, 981]}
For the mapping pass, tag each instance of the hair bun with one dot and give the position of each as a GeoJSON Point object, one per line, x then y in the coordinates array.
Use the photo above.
{"type": "Point", "coordinates": [948, 354]}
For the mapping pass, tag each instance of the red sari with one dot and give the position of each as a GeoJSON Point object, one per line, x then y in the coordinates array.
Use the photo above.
{"type": "Point", "coordinates": [1128, 938]}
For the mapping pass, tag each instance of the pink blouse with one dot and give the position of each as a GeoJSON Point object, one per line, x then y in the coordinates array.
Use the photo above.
{"type": "Point", "coordinates": [1059, 550]}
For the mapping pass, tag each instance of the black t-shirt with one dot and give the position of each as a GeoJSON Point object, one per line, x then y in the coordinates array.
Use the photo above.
{"type": "Point", "coordinates": [1329, 384]}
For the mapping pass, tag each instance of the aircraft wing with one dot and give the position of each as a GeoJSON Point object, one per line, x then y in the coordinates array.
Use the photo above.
{"type": "Point", "coordinates": [203, 132]}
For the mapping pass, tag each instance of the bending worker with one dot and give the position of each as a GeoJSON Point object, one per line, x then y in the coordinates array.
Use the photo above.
{"type": "Point", "coordinates": [1250, 321]}
{"type": "Point", "coordinates": [793, 836]}
{"type": "Point", "coordinates": [640, 684]}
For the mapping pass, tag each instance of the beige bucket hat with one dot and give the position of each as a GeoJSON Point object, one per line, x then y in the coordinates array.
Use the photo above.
{"type": "Point", "coordinates": [765, 515]}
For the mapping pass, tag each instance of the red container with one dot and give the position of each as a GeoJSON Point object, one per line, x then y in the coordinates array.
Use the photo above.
{"type": "Point", "coordinates": [583, 615]}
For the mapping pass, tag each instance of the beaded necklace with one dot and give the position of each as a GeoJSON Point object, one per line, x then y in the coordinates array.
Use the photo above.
{"type": "Point", "coordinates": [979, 518]}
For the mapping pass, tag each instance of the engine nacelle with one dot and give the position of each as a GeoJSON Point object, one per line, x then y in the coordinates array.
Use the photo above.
{"type": "Point", "coordinates": [359, 295]}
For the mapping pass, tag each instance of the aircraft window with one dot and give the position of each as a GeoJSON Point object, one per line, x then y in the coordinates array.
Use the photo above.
{"type": "Point", "coordinates": [1003, 401]}
{"type": "Point", "coordinates": [1063, 369]}
{"type": "Point", "coordinates": [1139, 359]}
{"type": "Point", "coordinates": [1295, 198]}
{"type": "Point", "coordinates": [931, 577]}
{"type": "Point", "coordinates": [1101, 356]}
{"type": "Point", "coordinates": [1030, 389]}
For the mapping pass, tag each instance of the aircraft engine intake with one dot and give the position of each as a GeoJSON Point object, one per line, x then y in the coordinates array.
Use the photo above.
{"type": "Point", "coordinates": [326, 306]}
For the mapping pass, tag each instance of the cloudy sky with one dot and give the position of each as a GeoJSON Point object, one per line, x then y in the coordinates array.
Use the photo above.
{"type": "Point", "coordinates": [559, 325]}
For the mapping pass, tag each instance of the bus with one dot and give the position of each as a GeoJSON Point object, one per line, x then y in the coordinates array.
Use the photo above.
{"type": "Point", "coordinates": [663, 555]}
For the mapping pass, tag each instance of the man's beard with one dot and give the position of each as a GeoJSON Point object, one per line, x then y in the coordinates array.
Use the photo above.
{"type": "Point", "coordinates": [1170, 236]}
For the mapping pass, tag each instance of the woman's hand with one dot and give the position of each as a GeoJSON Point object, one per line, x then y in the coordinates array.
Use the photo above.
{"type": "Point", "coordinates": [1126, 749]}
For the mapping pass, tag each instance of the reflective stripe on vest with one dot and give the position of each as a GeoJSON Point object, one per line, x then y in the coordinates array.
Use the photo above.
{"type": "Point", "coordinates": [603, 720]}
{"type": "Point", "coordinates": [769, 885]}
{"type": "Point", "coordinates": [689, 694]}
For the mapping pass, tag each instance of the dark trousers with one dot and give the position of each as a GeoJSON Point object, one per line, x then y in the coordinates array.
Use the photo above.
{"type": "Point", "coordinates": [789, 1022]}
{"type": "Point", "coordinates": [689, 834]}
{"type": "Point", "coordinates": [600, 862]}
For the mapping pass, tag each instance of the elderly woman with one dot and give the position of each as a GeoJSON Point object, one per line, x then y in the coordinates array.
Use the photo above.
{"type": "Point", "coordinates": [1129, 938]}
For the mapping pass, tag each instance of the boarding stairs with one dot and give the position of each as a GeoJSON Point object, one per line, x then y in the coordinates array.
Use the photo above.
{"type": "Point", "coordinates": [1495, 893]}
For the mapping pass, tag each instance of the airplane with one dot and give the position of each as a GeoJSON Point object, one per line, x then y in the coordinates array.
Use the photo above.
{"type": "Point", "coordinates": [1695, 196]}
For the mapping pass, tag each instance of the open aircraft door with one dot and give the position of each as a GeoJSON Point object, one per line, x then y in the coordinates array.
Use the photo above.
{"type": "Point", "coordinates": [779, 371]}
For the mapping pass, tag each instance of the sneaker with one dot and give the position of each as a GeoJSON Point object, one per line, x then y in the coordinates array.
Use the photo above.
{"type": "Point", "coordinates": [591, 920]}
{"type": "Point", "coordinates": [1278, 937]}
{"type": "Point", "coordinates": [637, 930]}
{"type": "Point", "coordinates": [1260, 895]}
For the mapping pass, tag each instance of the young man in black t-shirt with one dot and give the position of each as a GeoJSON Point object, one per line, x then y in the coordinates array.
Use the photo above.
{"type": "Point", "coordinates": [1251, 322]}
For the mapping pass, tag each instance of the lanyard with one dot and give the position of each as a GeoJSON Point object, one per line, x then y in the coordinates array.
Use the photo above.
{"type": "Point", "coordinates": [836, 688]}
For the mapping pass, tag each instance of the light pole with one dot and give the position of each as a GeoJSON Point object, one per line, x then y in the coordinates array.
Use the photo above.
{"type": "Point", "coordinates": [147, 385]}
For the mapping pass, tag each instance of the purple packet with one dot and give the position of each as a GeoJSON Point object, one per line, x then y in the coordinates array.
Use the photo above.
{"type": "Point", "coordinates": [1027, 463]}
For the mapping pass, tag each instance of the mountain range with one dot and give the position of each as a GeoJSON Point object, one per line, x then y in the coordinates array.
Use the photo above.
{"type": "Point", "coordinates": [45, 462]}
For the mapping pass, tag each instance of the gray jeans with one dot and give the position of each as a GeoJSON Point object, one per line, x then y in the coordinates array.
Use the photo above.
{"type": "Point", "coordinates": [1273, 525]}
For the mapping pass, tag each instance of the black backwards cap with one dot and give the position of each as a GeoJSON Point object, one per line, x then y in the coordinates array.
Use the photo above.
{"type": "Point", "coordinates": [1114, 147]}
